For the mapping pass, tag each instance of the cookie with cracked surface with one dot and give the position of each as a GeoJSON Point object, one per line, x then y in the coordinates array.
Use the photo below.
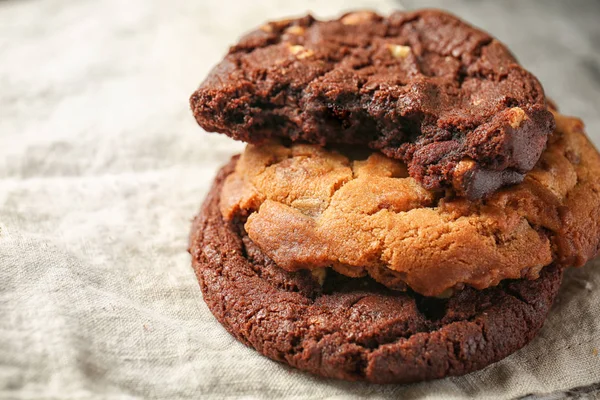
{"type": "Point", "coordinates": [356, 329]}
{"type": "Point", "coordinates": [309, 207]}
{"type": "Point", "coordinates": [422, 86]}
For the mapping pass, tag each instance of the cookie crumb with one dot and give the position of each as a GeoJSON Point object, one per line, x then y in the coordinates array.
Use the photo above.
{"type": "Point", "coordinates": [319, 274]}
{"type": "Point", "coordinates": [295, 30]}
{"type": "Point", "coordinates": [300, 52]}
{"type": "Point", "coordinates": [359, 17]}
{"type": "Point", "coordinates": [398, 51]}
{"type": "Point", "coordinates": [517, 116]}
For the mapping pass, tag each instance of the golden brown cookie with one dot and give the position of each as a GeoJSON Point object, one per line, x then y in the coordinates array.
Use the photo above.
{"type": "Point", "coordinates": [308, 207]}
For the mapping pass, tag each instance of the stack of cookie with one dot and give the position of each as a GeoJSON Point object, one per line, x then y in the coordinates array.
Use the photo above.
{"type": "Point", "coordinates": [405, 206]}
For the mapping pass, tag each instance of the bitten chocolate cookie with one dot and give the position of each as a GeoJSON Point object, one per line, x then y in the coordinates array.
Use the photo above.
{"type": "Point", "coordinates": [310, 207]}
{"type": "Point", "coordinates": [356, 329]}
{"type": "Point", "coordinates": [423, 87]}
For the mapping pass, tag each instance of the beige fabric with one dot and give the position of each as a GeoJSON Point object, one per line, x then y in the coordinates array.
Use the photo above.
{"type": "Point", "coordinates": [101, 169]}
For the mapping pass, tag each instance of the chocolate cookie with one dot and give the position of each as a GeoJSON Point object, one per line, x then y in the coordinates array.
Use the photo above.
{"type": "Point", "coordinates": [356, 329]}
{"type": "Point", "coordinates": [423, 87]}
{"type": "Point", "coordinates": [310, 207]}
